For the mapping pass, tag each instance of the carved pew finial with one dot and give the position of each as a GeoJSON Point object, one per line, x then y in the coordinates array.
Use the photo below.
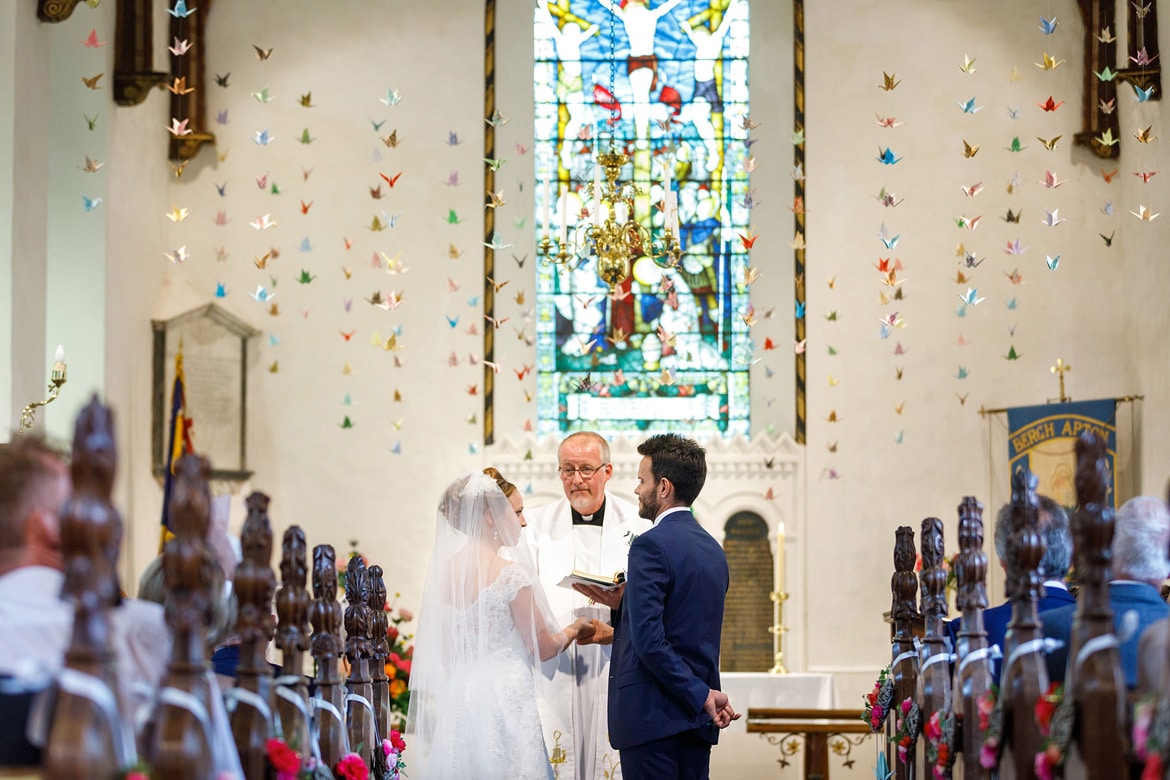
{"type": "Point", "coordinates": [292, 637]}
{"type": "Point", "coordinates": [1024, 677]}
{"type": "Point", "coordinates": [326, 616]}
{"type": "Point", "coordinates": [972, 676]}
{"type": "Point", "coordinates": [359, 715]}
{"type": "Point", "coordinates": [182, 741]}
{"type": "Point", "coordinates": [88, 737]}
{"type": "Point", "coordinates": [254, 585]}
{"type": "Point", "coordinates": [1093, 680]}
{"type": "Point", "coordinates": [380, 649]}
{"type": "Point", "coordinates": [904, 667]}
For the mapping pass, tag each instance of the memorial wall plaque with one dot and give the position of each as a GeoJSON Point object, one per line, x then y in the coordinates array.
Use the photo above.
{"type": "Point", "coordinates": [748, 613]}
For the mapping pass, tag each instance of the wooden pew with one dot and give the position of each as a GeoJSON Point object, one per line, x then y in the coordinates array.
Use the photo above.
{"type": "Point", "coordinates": [904, 666]}
{"type": "Point", "coordinates": [325, 614]}
{"type": "Point", "coordinates": [972, 668]}
{"type": "Point", "coordinates": [182, 733]}
{"type": "Point", "coordinates": [1094, 689]}
{"type": "Point", "coordinates": [88, 737]}
{"type": "Point", "coordinates": [292, 637]}
{"type": "Point", "coordinates": [360, 717]}
{"type": "Point", "coordinates": [250, 701]}
{"type": "Point", "coordinates": [934, 678]}
{"type": "Point", "coordinates": [1024, 677]}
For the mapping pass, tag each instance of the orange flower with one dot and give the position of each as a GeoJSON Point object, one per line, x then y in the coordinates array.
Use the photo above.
{"type": "Point", "coordinates": [397, 687]}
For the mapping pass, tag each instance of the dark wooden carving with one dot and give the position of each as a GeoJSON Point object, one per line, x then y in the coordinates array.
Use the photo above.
{"type": "Point", "coordinates": [359, 711]}
{"type": "Point", "coordinates": [292, 637]}
{"type": "Point", "coordinates": [55, 10]}
{"type": "Point", "coordinates": [134, 53]}
{"type": "Point", "coordinates": [972, 677]}
{"type": "Point", "coordinates": [935, 675]}
{"type": "Point", "coordinates": [904, 666]}
{"type": "Point", "coordinates": [254, 585]}
{"type": "Point", "coordinates": [1095, 683]}
{"type": "Point", "coordinates": [89, 737]}
{"type": "Point", "coordinates": [192, 68]}
{"type": "Point", "coordinates": [326, 616]}
{"type": "Point", "coordinates": [380, 647]}
{"type": "Point", "coordinates": [1025, 676]}
{"type": "Point", "coordinates": [180, 745]}
{"type": "Point", "coordinates": [1099, 111]}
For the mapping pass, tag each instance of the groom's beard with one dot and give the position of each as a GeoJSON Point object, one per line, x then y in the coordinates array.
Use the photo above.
{"type": "Point", "coordinates": [648, 507]}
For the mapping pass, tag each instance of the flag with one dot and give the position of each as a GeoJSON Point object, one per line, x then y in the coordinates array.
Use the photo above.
{"type": "Point", "coordinates": [1043, 438]}
{"type": "Point", "coordinates": [179, 442]}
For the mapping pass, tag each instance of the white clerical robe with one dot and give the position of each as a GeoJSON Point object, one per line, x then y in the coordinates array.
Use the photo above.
{"type": "Point", "coordinates": [573, 687]}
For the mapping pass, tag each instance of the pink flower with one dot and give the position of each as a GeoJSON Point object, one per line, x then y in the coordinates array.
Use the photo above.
{"type": "Point", "coordinates": [352, 768]}
{"type": "Point", "coordinates": [397, 740]}
{"type": "Point", "coordinates": [907, 704]}
{"type": "Point", "coordinates": [406, 614]}
{"type": "Point", "coordinates": [1143, 715]}
{"type": "Point", "coordinates": [933, 730]}
{"type": "Point", "coordinates": [1041, 767]}
{"type": "Point", "coordinates": [989, 754]}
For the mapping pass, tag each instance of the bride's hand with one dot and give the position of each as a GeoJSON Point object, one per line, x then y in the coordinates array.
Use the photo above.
{"type": "Point", "coordinates": [580, 630]}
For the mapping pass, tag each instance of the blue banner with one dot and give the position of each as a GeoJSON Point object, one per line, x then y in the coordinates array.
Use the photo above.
{"type": "Point", "coordinates": [1043, 438]}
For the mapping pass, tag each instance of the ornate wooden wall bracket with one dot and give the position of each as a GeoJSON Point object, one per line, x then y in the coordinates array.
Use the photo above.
{"type": "Point", "coordinates": [55, 11]}
{"type": "Point", "coordinates": [134, 53]}
{"type": "Point", "coordinates": [191, 66]}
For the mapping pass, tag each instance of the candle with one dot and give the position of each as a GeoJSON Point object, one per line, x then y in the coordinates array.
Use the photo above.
{"type": "Point", "coordinates": [564, 219]}
{"type": "Point", "coordinates": [59, 355]}
{"type": "Point", "coordinates": [547, 206]}
{"type": "Point", "coordinates": [780, 558]}
{"type": "Point", "coordinates": [666, 172]}
{"type": "Point", "coordinates": [672, 211]}
{"type": "Point", "coordinates": [621, 212]}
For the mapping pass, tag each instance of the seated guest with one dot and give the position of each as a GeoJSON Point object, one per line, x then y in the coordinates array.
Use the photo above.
{"type": "Point", "coordinates": [37, 625]}
{"type": "Point", "coordinates": [1140, 565]}
{"type": "Point", "coordinates": [1052, 525]}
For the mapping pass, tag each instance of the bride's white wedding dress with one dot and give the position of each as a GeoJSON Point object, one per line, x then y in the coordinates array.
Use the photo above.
{"type": "Point", "coordinates": [485, 719]}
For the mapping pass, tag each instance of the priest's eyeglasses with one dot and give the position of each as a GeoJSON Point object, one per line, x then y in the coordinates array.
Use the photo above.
{"type": "Point", "coordinates": [586, 472]}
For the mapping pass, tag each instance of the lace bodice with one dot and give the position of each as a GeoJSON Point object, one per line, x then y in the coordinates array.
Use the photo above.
{"type": "Point", "coordinates": [494, 607]}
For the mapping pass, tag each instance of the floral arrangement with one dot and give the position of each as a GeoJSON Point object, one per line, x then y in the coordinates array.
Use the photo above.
{"type": "Point", "coordinates": [1052, 751]}
{"type": "Point", "coordinates": [940, 735]}
{"type": "Point", "coordinates": [991, 725]}
{"type": "Point", "coordinates": [287, 764]}
{"type": "Point", "coordinates": [877, 702]}
{"type": "Point", "coordinates": [908, 728]}
{"type": "Point", "coordinates": [1151, 718]}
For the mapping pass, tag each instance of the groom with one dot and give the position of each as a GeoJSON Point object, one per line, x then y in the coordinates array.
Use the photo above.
{"type": "Point", "coordinates": [665, 708]}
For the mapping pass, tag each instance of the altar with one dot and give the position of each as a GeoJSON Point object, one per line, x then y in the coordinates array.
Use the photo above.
{"type": "Point", "coordinates": [743, 756]}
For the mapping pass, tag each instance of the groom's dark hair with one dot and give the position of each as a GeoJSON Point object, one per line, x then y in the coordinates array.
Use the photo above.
{"type": "Point", "coordinates": [678, 459]}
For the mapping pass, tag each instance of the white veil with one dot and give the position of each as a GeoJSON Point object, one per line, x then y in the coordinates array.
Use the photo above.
{"type": "Point", "coordinates": [465, 644]}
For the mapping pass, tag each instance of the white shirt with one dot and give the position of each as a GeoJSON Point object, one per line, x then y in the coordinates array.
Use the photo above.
{"type": "Point", "coordinates": [670, 511]}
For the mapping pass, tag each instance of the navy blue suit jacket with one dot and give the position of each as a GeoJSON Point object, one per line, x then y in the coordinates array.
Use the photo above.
{"type": "Point", "coordinates": [1143, 600]}
{"type": "Point", "coordinates": [666, 640]}
{"type": "Point", "coordinates": [996, 619]}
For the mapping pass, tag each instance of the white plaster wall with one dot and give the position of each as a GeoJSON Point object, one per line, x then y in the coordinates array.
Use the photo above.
{"type": "Point", "coordinates": [1102, 310]}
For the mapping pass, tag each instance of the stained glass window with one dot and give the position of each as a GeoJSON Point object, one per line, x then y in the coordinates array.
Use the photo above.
{"type": "Point", "coordinates": [666, 83]}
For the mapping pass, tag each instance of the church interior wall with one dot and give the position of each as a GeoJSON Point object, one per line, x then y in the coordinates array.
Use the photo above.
{"type": "Point", "coordinates": [376, 483]}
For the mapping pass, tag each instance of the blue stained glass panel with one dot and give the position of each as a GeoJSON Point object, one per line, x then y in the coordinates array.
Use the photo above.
{"type": "Point", "coordinates": [667, 84]}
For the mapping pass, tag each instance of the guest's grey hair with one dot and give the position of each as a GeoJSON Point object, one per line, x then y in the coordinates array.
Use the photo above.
{"type": "Point", "coordinates": [1053, 527]}
{"type": "Point", "coordinates": [1140, 538]}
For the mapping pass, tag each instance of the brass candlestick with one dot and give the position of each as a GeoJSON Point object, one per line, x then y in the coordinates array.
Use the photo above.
{"type": "Point", "coordinates": [56, 379]}
{"type": "Point", "coordinates": [778, 631]}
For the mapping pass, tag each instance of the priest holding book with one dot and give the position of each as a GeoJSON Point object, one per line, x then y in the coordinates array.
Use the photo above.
{"type": "Point", "coordinates": [588, 531]}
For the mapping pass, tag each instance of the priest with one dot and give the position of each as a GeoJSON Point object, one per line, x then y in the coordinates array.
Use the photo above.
{"type": "Point", "coordinates": [589, 530]}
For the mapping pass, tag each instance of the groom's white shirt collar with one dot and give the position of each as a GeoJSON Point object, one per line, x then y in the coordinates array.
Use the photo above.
{"type": "Point", "coordinates": [672, 510]}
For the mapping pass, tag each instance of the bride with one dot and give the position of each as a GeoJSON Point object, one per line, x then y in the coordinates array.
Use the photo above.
{"type": "Point", "coordinates": [483, 623]}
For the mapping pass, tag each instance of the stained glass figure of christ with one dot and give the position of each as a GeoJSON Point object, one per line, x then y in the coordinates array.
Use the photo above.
{"type": "Point", "coordinates": [667, 83]}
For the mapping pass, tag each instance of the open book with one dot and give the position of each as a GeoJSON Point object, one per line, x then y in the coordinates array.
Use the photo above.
{"type": "Point", "coordinates": [578, 577]}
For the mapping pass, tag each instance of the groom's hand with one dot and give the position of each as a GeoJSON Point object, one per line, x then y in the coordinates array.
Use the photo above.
{"type": "Point", "coordinates": [602, 634]}
{"type": "Point", "coordinates": [611, 598]}
{"type": "Point", "coordinates": [719, 708]}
